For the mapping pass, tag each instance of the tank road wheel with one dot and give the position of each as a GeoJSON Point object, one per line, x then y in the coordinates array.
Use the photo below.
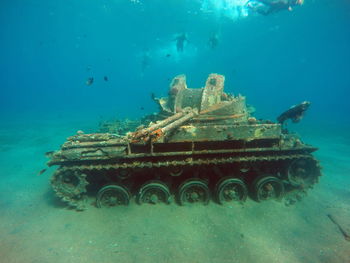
{"type": "Point", "coordinates": [70, 186]}
{"type": "Point", "coordinates": [112, 195]}
{"type": "Point", "coordinates": [231, 189]}
{"type": "Point", "coordinates": [268, 187]}
{"type": "Point", "coordinates": [194, 191]}
{"type": "Point", "coordinates": [303, 172]}
{"type": "Point", "coordinates": [154, 192]}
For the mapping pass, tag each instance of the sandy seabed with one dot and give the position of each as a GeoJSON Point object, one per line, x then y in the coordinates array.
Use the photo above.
{"type": "Point", "coordinates": [36, 228]}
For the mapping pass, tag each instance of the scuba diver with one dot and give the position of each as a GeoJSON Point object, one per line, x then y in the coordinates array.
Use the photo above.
{"type": "Point", "coordinates": [145, 61]}
{"type": "Point", "coordinates": [180, 41]}
{"type": "Point", "coordinates": [266, 7]}
{"type": "Point", "coordinates": [295, 113]}
{"type": "Point", "coordinates": [213, 41]}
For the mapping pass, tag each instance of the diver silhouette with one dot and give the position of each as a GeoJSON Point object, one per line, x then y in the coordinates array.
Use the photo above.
{"type": "Point", "coordinates": [213, 41]}
{"type": "Point", "coordinates": [180, 41]}
{"type": "Point", "coordinates": [145, 61]}
{"type": "Point", "coordinates": [266, 7]}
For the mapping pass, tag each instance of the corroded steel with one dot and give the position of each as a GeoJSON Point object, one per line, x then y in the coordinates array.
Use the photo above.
{"type": "Point", "coordinates": [146, 131]}
{"type": "Point", "coordinates": [212, 92]}
{"type": "Point", "coordinates": [159, 129]}
{"type": "Point", "coordinates": [159, 134]}
{"type": "Point", "coordinates": [199, 133]}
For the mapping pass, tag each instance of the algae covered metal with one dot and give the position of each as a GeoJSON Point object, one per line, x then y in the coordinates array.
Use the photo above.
{"type": "Point", "coordinates": [203, 144]}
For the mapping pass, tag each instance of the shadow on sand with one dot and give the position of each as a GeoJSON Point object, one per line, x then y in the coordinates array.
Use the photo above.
{"type": "Point", "coordinates": [52, 200]}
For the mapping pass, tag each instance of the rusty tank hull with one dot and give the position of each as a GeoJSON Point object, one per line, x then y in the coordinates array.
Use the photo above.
{"type": "Point", "coordinates": [204, 145]}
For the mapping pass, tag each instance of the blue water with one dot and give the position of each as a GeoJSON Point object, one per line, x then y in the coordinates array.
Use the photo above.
{"type": "Point", "coordinates": [49, 49]}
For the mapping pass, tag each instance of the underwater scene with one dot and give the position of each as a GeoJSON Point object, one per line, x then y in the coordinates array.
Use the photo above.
{"type": "Point", "coordinates": [175, 131]}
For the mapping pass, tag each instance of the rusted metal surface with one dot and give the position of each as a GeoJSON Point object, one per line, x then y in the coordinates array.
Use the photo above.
{"type": "Point", "coordinates": [213, 91]}
{"type": "Point", "coordinates": [162, 132]}
{"type": "Point", "coordinates": [217, 118]}
{"type": "Point", "coordinates": [198, 132]}
{"type": "Point", "coordinates": [145, 133]}
{"type": "Point", "coordinates": [226, 132]}
{"type": "Point", "coordinates": [237, 148]}
{"type": "Point", "coordinates": [76, 196]}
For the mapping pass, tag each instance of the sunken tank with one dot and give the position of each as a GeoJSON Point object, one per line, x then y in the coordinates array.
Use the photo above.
{"type": "Point", "coordinates": [204, 145]}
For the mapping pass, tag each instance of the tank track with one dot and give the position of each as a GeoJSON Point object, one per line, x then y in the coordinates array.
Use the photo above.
{"type": "Point", "coordinates": [76, 196]}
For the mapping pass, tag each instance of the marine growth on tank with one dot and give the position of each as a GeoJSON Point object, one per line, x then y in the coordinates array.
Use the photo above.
{"type": "Point", "coordinates": [202, 143]}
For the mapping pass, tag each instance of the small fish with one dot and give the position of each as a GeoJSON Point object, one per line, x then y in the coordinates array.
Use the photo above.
{"type": "Point", "coordinates": [142, 108]}
{"type": "Point", "coordinates": [89, 81]}
{"type": "Point", "coordinates": [49, 154]}
{"type": "Point", "coordinates": [105, 78]}
{"type": "Point", "coordinates": [42, 171]}
{"type": "Point", "coordinates": [168, 55]}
